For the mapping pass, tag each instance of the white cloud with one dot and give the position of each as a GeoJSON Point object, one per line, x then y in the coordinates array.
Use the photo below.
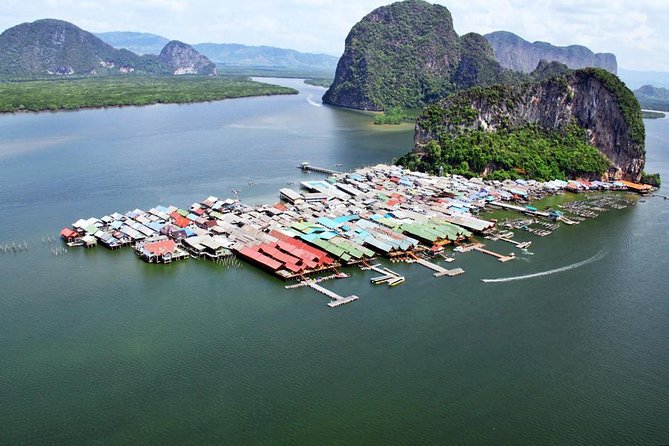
{"type": "Point", "coordinates": [634, 30]}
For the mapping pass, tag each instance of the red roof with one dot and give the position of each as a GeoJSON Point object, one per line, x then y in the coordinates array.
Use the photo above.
{"type": "Point", "coordinates": [278, 255]}
{"type": "Point", "coordinates": [161, 247]}
{"type": "Point", "coordinates": [320, 255]}
{"type": "Point", "coordinates": [68, 233]}
{"type": "Point", "coordinates": [280, 206]}
{"type": "Point", "coordinates": [260, 258]}
{"type": "Point", "coordinates": [179, 220]}
{"type": "Point", "coordinates": [198, 211]}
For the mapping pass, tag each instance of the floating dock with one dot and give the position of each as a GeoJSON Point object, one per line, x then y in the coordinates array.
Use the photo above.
{"type": "Point", "coordinates": [519, 245]}
{"type": "Point", "coordinates": [387, 276]}
{"type": "Point", "coordinates": [521, 209]}
{"type": "Point", "coordinates": [502, 258]}
{"type": "Point", "coordinates": [337, 300]}
{"type": "Point", "coordinates": [439, 271]}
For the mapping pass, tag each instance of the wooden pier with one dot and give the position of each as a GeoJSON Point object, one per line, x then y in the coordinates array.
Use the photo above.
{"type": "Point", "coordinates": [519, 245]}
{"type": "Point", "coordinates": [440, 271]}
{"type": "Point", "coordinates": [500, 257]}
{"type": "Point", "coordinates": [387, 276]}
{"type": "Point", "coordinates": [309, 168]}
{"type": "Point", "coordinates": [521, 209]}
{"type": "Point", "coordinates": [337, 300]}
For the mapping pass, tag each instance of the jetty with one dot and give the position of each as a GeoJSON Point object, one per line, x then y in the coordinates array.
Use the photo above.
{"type": "Point", "coordinates": [337, 300]}
{"type": "Point", "coordinates": [309, 168]}
{"type": "Point", "coordinates": [387, 276]}
{"type": "Point", "coordinates": [521, 209]}
{"type": "Point", "coordinates": [439, 271]}
{"type": "Point", "coordinates": [500, 257]}
{"type": "Point", "coordinates": [519, 245]}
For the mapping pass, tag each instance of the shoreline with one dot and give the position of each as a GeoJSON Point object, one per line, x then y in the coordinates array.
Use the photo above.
{"type": "Point", "coordinates": [105, 107]}
{"type": "Point", "coordinates": [102, 93]}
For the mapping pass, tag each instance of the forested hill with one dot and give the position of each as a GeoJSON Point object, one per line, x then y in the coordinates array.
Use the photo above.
{"type": "Point", "coordinates": [408, 54]}
{"type": "Point", "coordinates": [584, 124]}
{"type": "Point", "coordinates": [52, 47]}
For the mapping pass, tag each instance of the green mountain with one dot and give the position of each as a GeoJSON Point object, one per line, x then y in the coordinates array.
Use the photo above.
{"type": "Point", "coordinates": [653, 98]}
{"type": "Point", "coordinates": [515, 53]}
{"type": "Point", "coordinates": [583, 124]}
{"type": "Point", "coordinates": [54, 47]}
{"type": "Point", "coordinates": [408, 54]}
{"type": "Point", "coordinates": [138, 43]}
{"type": "Point", "coordinates": [48, 47]}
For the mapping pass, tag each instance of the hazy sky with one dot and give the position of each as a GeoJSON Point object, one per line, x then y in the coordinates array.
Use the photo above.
{"type": "Point", "coordinates": [636, 31]}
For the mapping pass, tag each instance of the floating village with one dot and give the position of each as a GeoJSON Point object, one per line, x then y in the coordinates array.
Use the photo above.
{"type": "Point", "coordinates": [350, 219]}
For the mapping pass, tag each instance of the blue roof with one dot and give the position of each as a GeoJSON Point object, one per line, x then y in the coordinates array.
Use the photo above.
{"type": "Point", "coordinates": [155, 226]}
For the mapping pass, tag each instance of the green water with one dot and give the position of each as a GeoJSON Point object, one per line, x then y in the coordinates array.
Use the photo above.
{"type": "Point", "coordinates": [97, 347]}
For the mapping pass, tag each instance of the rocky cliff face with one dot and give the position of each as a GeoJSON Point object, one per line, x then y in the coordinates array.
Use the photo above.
{"type": "Point", "coordinates": [408, 54]}
{"type": "Point", "coordinates": [516, 53]}
{"type": "Point", "coordinates": [184, 59]}
{"type": "Point", "coordinates": [593, 99]}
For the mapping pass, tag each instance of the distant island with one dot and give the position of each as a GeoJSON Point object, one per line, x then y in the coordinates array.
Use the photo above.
{"type": "Point", "coordinates": [55, 65]}
{"type": "Point", "coordinates": [653, 98]}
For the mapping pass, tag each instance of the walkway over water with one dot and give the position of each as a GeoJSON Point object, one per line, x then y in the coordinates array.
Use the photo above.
{"type": "Point", "coordinates": [308, 167]}
{"type": "Point", "coordinates": [524, 210]}
{"type": "Point", "coordinates": [440, 271]}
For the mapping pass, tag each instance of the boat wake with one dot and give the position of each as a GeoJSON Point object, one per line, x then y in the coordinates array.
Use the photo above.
{"type": "Point", "coordinates": [600, 255]}
{"type": "Point", "coordinates": [310, 100]}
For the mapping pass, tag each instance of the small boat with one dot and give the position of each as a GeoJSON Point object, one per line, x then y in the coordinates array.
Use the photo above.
{"type": "Point", "coordinates": [339, 164]}
{"type": "Point", "coordinates": [396, 281]}
{"type": "Point", "coordinates": [342, 276]}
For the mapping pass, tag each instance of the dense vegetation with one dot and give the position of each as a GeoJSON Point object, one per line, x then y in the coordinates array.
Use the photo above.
{"type": "Point", "coordinates": [651, 178]}
{"type": "Point", "coordinates": [652, 114]}
{"type": "Point", "coordinates": [527, 152]}
{"type": "Point", "coordinates": [319, 82]}
{"type": "Point", "coordinates": [408, 54]}
{"type": "Point", "coordinates": [73, 94]}
{"type": "Point", "coordinates": [392, 116]}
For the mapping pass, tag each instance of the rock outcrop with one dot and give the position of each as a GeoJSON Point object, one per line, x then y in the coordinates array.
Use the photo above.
{"type": "Point", "coordinates": [593, 99]}
{"type": "Point", "coordinates": [182, 58]}
{"type": "Point", "coordinates": [408, 54]}
{"type": "Point", "coordinates": [515, 53]}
